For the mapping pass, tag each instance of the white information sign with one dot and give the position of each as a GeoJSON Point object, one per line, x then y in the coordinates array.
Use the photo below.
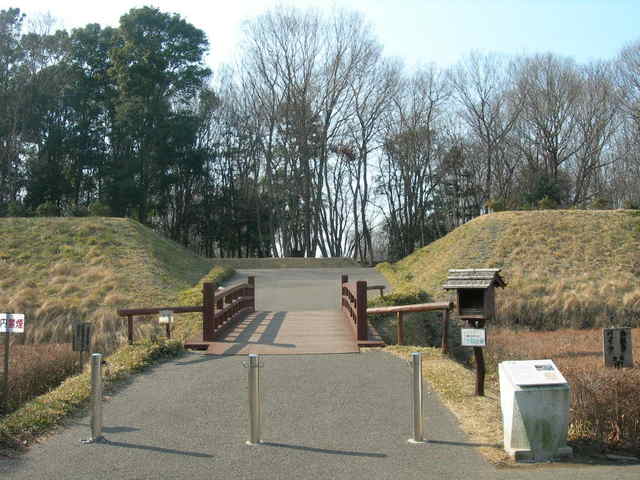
{"type": "Point", "coordinates": [11, 323]}
{"type": "Point", "coordinates": [473, 337]}
{"type": "Point", "coordinates": [165, 317]}
{"type": "Point", "coordinates": [534, 372]}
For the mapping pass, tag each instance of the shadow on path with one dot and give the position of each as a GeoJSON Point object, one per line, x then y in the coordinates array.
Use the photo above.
{"type": "Point", "coordinates": [324, 450]}
{"type": "Point", "coordinates": [465, 444]}
{"type": "Point", "coordinates": [136, 446]}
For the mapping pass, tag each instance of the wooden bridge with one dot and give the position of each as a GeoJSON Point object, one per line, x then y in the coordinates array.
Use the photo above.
{"type": "Point", "coordinates": [232, 326]}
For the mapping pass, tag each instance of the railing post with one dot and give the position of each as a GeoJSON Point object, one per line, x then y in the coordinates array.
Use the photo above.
{"type": "Point", "coordinates": [416, 398]}
{"type": "Point", "coordinates": [343, 279]}
{"type": "Point", "coordinates": [400, 328]}
{"type": "Point", "coordinates": [445, 332]}
{"type": "Point", "coordinates": [252, 283]}
{"type": "Point", "coordinates": [208, 310]}
{"type": "Point", "coordinates": [361, 310]}
{"type": "Point", "coordinates": [130, 329]}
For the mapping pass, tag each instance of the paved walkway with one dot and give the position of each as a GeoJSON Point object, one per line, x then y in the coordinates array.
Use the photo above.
{"type": "Point", "coordinates": [325, 417]}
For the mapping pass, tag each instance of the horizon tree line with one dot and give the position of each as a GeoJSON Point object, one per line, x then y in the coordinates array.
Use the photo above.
{"type": "Point", "coordinates": [313, 143]}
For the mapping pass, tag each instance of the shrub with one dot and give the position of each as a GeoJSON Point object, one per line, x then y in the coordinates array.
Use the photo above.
{"type": "Point", "coordinates": [496, 205]}
{"type": "Point", "coordinates": [599, 204]}
{"type": "Point", "coordinates": [35, 369]}
{"type": "Point", "coordinates": [547, 203]}
{"type": "Point", "coordinates": [47, 209]}
{"type": "Point", "coordinates": [78, 211]}
{"type": "Point", "coordinates": [99, 209]}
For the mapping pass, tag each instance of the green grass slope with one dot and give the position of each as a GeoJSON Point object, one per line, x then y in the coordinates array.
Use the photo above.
{"type": "Point", "coordinates": [564, 268]}
{"type": "Point", "coordinates": [61, 270]}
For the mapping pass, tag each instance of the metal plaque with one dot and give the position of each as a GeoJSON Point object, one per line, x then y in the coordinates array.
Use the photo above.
{"type": "Point", "coordinates": [473, 337]}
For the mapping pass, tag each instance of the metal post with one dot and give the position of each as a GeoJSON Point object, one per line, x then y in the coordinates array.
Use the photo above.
{"type": "Point", "coordinates": [96, 399]}
{"type": "Point", "coordinates": [255, 400]}
{"type": "Point", "coordinates": [5, 383]}
{"type": "Point", "coordinates": [416, 398]}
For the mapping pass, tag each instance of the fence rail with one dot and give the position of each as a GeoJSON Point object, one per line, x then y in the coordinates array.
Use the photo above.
{"type": "Point", "coordinates": [220, 308]}
{"type": "Point", "coordinates": [400, 310]}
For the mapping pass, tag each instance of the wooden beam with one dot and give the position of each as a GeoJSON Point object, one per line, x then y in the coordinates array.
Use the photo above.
{"type": "Point", "coordinates": [418, 307]}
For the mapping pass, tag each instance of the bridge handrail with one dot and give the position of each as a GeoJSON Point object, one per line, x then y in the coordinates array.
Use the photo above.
{"type": "Point", "coordinates": [354, 306]}
{"type": "Point", "coordinates": [219, 307]}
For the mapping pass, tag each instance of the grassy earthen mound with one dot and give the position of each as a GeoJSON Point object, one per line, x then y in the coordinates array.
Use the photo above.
{"type": "Point", "coordinates": [58, 271]}
{"type": "Point", "coordinates": [564, 268]}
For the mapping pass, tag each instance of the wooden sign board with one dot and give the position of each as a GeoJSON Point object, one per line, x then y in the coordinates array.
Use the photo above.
{"type": "Point", "coordinates": [82, 337]}
{"type": "Point", "coordinates": [617, 347]}
{"type": "Point", "coordinates": [473, 337]}
{"type": "Point", "coordinates": [11, 323]}
{"type": "Point", "coordinates": [165, 317]}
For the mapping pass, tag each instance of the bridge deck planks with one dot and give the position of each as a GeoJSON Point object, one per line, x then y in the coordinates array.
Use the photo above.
{"type": "Point", "coordinates": [286, 333]}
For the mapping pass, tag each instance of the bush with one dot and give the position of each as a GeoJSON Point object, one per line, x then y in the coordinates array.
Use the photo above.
{"type": "Point", "coordinates": [78, 211]}
{"type": "Point", "coordinates": [496, 205]}
{"type": "Point", "coordinates": [17, 209]}
{"type": "Point", "coordinates": [35, 369]}
{"type": "Point", "coordinates": [47, 209]}
{"type": "Point", "coordinates": [99, 209]}
{"type": "Point", "coordinates": [547, 203]}
{"type": "Point", "coordinates": [599, 204]}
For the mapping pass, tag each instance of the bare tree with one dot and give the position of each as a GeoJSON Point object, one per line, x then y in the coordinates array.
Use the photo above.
{"type": "Point", "coordinates": [483, 87]}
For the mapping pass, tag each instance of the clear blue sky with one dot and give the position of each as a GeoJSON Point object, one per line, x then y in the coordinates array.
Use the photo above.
{"type": "Point", "coordinates": [420, 31]}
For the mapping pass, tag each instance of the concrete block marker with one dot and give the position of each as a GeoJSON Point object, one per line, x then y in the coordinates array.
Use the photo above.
{"type": "Point", "coordinates": [534, 398]}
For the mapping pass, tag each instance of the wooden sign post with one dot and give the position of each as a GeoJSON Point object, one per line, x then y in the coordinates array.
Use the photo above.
{"type": "Point", "coordinates": [9, 323]}
{"type": "Point", "coordinates": [82, 340]}
{"type": "Point", "coordinates": [617, 347]}
{"type": "Point", "coordinates": [475, 292]}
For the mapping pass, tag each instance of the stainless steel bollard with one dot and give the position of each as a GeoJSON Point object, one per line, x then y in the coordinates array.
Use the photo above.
{"type": "Point", "coordinates": [96, 399]}
{"type": "Point", "coordinates": [416, 398]}
{"type": "Point", "coordinates": [255, 400]}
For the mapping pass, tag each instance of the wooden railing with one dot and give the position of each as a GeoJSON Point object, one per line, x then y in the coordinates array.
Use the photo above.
{"type": "Point", "coordinates": [219, 308]}
{"type": "Point", "coordinates": [400, 310]}
{"type": "Point", "coordinates": [354, 306]}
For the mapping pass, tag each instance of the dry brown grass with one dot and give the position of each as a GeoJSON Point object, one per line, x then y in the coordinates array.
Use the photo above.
{"type": "Point", "coordinates": [604, 402]}
{"type": "Point", "coordinates": [35, 369]}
